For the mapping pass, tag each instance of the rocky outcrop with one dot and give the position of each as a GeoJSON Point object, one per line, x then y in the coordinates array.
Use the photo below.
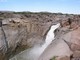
{"type": "Point", "coordinates": [23, 31]}
{"type": "Point", "coordinates": [3, 43]}
{"type": "Point", "coordinates": [21, 35]}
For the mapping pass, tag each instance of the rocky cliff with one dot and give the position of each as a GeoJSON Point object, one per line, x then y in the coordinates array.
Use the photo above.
{"type": "Point", "coordinates": [20, 31]}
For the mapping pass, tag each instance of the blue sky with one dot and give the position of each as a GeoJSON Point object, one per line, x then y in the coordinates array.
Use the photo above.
{"type": "Point", "coordinates": [64, 6]}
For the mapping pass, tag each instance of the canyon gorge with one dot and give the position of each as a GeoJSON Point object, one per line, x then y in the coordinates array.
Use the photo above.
{"type": "Point", "coordinates": [21, 31]}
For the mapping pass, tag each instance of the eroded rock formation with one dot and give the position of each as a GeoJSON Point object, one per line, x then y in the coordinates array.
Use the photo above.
{"type": "Point", "coordinates": [23, 31]}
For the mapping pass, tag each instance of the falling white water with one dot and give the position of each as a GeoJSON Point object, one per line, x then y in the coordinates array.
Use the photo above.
{"type": "Point", "coordinates": [49, 37]}
{"type": "Point", "coordinates": [35, 52]}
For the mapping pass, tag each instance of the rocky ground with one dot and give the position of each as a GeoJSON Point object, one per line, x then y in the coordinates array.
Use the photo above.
{"type": "Point", "coordinates": [22, 30]}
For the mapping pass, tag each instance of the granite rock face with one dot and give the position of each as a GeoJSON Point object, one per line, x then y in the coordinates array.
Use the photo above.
{"type": "Point", "coordinates": [23, 31]}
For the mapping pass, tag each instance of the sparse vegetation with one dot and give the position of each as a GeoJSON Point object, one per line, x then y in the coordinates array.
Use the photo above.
{"type": "Point", "coordinates": [28, 12]}
{"type": "Point", "coordinates": [23, 12]}
{"type": "Point", "coordinates": [54, 58]}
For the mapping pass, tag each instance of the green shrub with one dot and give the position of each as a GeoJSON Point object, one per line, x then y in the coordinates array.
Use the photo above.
{"type": "Point", "coordinates": [54, 58]}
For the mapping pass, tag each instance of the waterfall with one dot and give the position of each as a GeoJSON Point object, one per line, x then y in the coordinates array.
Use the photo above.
{"type": "Point", "coordinates": [50, 36]}
{"type": "Point", "coordinates": [35, 52]}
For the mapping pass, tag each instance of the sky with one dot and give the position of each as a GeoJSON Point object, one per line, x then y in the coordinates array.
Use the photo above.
{"type": "Point", "coordinates": [54, 6]}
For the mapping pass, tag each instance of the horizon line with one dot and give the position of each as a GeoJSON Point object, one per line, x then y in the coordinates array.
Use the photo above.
{"type": "Point", "coordinates": [39, 12]}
